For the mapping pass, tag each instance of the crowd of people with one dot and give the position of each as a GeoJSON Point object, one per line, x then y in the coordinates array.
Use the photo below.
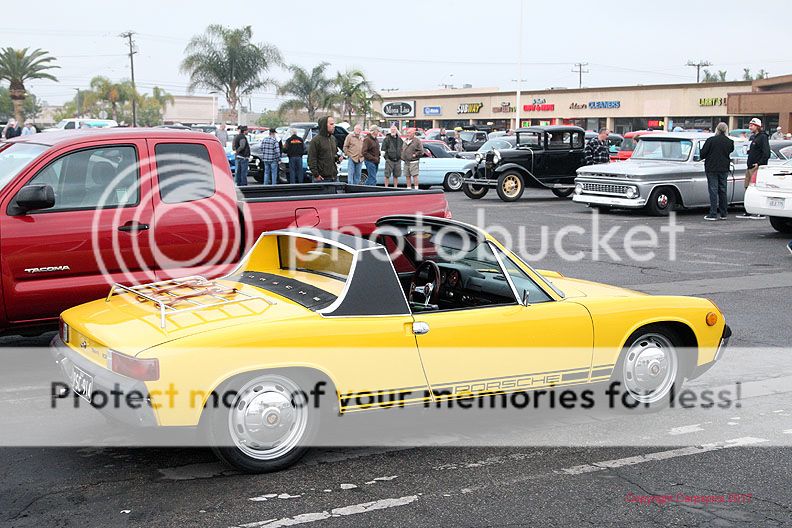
{"type": "Point", "coordinates": [12, 129]}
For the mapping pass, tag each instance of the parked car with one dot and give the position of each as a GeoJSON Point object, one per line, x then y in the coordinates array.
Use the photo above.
{"type": "Point", "coordinates": [627, 146]}
{"type": "Point", "coordinates": [439, 167]}
{"type": "Point", "coordinates": [614, 141]}
{"type": "Point", "coordinates": [781, 148]}
{"type": "Point", "coordinates": [499, 142]}
{"type": "Point", "coordinates": [472, 140]}
{"type": "Point", "coordinates": [740, 133]}
{"type": "Point", "coordinates": [78, 209]}
{"type": "Point", "coordinates": [545, 157]}
{"type": "Point", "coordinates": [434, 311]}
{"type": "Point", "coordinates": [771, 195]}
{"type": "Point", "coordinates": [663, 173]}
{"type": "Point", "coordinates": [76, 124]}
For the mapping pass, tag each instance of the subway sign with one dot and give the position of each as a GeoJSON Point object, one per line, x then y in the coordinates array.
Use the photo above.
{"type": "Point", "coordinates": [469, 108]}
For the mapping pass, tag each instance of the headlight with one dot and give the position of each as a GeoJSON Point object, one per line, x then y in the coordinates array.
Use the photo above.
{"type": "Point", "coordinates": [496, 157]}
{"type": "Point", "coordinates": [579, 188]}
{"type": "Point", "coordinates": [632, 192]}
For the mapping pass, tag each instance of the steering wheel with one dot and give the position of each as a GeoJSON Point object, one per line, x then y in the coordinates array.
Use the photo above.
{"type": "Point", "coordinates": [431, 289]}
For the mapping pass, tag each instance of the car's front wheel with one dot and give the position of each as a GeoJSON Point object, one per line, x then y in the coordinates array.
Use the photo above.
{"type": "Point", "coordinates": [781, 224]}
{"type": "Point", "coordinates": [662, 201]}
{"type": "Point", "coordinates": [510, 186]}
{"type": "Point", "coordinates": [649, 369]}
{"type": "Point", "coordinates": [474, 191]}
{"type": "Point", "coordinates": [452, 182]}
{"type": "Point", "coordinates": [266, 425]}
{"type": "Point", "coordinates": [563, 193]}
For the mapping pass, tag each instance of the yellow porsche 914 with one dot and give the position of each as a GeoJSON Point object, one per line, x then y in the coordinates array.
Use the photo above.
{"type": "Point", "coordinates": [425, 310]}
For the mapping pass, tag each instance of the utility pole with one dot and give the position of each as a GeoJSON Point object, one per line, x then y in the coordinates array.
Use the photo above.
{"type": "Point", "coordinates": [580, 71]}
{"type": "Point", "coordinates": [519, 65]}
{"type": "Point", "coordinates": [698, 65]}
{"type": "Point", "coordinates": [128, 36]}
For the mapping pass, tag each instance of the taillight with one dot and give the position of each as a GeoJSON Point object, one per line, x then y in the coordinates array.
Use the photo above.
{"type": "Point", "coordinates": [447, 213]}
{"type": "Point", "coordinates": [63, 330]}
{"type": "Point", "coordinates": [132, 367]}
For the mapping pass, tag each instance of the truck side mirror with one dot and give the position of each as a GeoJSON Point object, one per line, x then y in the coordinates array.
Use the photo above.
{"type": "Point", "coordinates": [32, 198]}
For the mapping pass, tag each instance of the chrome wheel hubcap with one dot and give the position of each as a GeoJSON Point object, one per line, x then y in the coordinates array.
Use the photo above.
{"type": "Point", "coordinates": [650, 368]}
{"type": "Point", "coordinates": [269, 417]}
{"type": "Point", "coordinates": [455, 181]}
{"type": "Point", "coordinates": [662, 201]}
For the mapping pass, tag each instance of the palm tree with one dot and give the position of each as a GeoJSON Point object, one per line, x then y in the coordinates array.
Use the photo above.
{"type": "Point", "coordinates": [161, 96]}
{"type": "Point", "coordinates": [225, 60]}
{"type": "Point", "coordinates": [114, 94]}
{"type": "Point", "coordinates": [351, 88]}
{"type": "Point", "coordinates": [312, 91]}
{"type": "Point", "coordinates": [20, 65]}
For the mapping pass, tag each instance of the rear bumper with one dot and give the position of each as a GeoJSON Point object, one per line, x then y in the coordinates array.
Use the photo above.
{"type": "Point", "coordinates": [123, 399]}
{"type": "Point", "coordinates": [724, 342]}
{"type": "Point", "coordinates": [757, 201]}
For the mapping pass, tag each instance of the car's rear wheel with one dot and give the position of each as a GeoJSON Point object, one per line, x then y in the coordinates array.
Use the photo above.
{"type": "Point", "coordinates": [661, 201]}
{"type": "Point", "coordinates": [780, 224]}
{"type": "Point", "coordinates": [474, 191]}
{"type": "Point", "coordinates": [510, 186]}
{"type": "Point", "coordinates": [650, 369]}
{"type": "Point", "coordinates": [452, 182]}
{"type": "Point", "coordinates": [563, 193]}
{"type": "Point", "coordinates": [267, 426]}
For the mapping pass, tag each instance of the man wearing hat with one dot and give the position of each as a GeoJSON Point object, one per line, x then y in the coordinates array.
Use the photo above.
{"type": "Point", "coordinates": [758, 154]}
{"type": "Point", "coordinates": [778, 134]}
{"type": "Point", "coordinates": [241, 148]}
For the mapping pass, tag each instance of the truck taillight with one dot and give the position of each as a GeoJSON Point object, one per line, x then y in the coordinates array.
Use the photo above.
{"type": "Point", "coordinates": [447, 213]}
{"type": "Point", "coordinates": [132, 367]}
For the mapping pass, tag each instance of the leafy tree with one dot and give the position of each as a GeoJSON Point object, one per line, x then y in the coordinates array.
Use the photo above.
{"type": "Point", "coordinates": [20, 65]}
{"type": "Point", "coordinates": [272, 119]}
{"type": "Point", "coordinates": [112, 94]}
{"type": "Point", "coordinates": [226, 60]}
{"type": "Point", "coordinates": [310, 91]}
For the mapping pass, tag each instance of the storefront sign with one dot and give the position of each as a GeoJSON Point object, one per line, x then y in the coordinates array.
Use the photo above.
{"type": "Point", "coordinates": [539, 107]}
{"type": "Point", "coordinates": [604, 104]}
{"type": "Point", "coordinates": [469, 108]}
{"type": "Point", "coordinates": [503, 108]}
{"type": "Point", "coordinates": [578, 106]}
{"type": "Point", "coordinates": [399, 109]}
{"type": "Point", "coordinates": [431, 110]}
{"type": "Point", "coordinates": [712, 101]}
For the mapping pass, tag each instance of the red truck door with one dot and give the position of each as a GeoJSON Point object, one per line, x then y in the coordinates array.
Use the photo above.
{"type": "Point", "coordinates": [197, 229]}
{"type": "Point", "coordinates": [95, 234]}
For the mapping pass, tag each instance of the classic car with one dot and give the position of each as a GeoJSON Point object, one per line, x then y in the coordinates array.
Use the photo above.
{"type": "Point", "coordinates": [545, 157]}
{"type": "Point", "coordinates": [771, 195]}
{"type": "Point", "coordinates": [439, 167]}
{"type": "Point", "coordinates": [663, 173]}
{"type": "Point", "coordinates": [472, 139]}
{"type": "Point", "coordinates": [425, 309]}
{"type": "Point", "coordinates": [781, 148]}
{"type": "Point", "coordinates": [499, 142]}
{"type": "Point", "coordinates": [625, 150]}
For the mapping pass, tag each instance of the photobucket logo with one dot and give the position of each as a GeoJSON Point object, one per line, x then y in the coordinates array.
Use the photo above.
{"type": "Point", "coordinates": [165, 214]}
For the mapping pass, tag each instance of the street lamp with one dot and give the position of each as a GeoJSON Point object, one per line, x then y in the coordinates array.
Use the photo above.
{"type": "Point", "coordinates": [519, 61]}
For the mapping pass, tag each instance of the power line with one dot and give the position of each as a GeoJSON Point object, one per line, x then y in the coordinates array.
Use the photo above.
{"type": "Point", "coordinates": [128, 35]}
{"type": "Point", "coordinates": [580, 71]}
{"type": "Point", "coordinates": [698, 65]}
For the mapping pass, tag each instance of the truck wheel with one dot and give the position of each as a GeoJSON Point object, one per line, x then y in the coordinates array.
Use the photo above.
{"type": "Point", "coordinates": [780, 224]}
{"type": "Point", "coordinates": [510, 186]}
{"type": "Point", "coordinates": [268, 425]}
{"type": "Point", "coordinates": [563, 193]}
{"type": "Point", "coordinates": [452, 182]}
{"type": "Point", "coordinates": [662, 201]}
{"type": "Point", "coordinates": [475, 191]}
{"type": "Point", "coordinates": [650, 369]}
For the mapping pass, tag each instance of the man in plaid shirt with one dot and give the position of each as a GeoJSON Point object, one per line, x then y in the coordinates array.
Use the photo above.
{"type": "Point", "coordinates": [270, 156]}
{"type": "Point", "coordinates": [597, 149]}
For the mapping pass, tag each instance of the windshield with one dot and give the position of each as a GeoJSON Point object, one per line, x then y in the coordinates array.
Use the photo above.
{"type": "Point", "coordinates": [628, 145]}
{"type": "Point", "coordinates": [667, 149]}
{"type": "Point", "coordinates": [16, 157]}
{"type": "Point", "coordinates": [467, 136]}
{"type": "Point", "coordinates": [493, 144]}
{"type": "Point", "coordinates": [62, 123]}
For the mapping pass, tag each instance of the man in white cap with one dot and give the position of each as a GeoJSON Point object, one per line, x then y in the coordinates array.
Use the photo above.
{"type": "Point", "coordinates": [778, 134]}
{"type": "Point", "coordinates": [758, 154]}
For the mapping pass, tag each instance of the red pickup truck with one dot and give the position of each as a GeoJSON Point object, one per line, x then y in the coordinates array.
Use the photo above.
{"type": "Point", "coordinates": [82, 209]}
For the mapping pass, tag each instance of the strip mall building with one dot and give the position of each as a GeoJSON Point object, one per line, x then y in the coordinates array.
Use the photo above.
{"type": "Point", "coordinates": [621, 108]}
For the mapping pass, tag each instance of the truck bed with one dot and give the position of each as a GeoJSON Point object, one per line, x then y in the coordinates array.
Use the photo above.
{"type": "Point", "coordinates": [322, 190]}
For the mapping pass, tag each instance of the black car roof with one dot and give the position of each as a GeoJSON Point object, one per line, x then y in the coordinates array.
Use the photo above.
{"type": "Point", "coordinates": [552, 128]}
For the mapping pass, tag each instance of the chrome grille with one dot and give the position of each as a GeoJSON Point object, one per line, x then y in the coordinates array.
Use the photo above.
{"type": "Point", "coordinates": [605, 188]}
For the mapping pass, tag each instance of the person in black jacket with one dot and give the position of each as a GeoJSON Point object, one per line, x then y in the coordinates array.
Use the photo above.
{"type": "Point", "coordinates": [716, 154]}
{"type": "Point", "coordinates": [323, 151]}
{"type": "Point", "coordinates": [241, 148]}
{"type": "Point", "coordinates": [758, 154]}
{"type": "Point", "coordinates": [294, 146]}
{"type": "Point", "coordinates": [391, 151]}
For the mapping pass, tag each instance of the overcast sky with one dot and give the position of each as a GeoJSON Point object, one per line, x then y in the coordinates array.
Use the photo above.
{"type": "Point", "coordinates": [413, 44]}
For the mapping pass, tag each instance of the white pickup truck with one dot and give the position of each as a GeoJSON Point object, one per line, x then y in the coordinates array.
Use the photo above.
{"type": "Point", "coordinates": [771, 195]}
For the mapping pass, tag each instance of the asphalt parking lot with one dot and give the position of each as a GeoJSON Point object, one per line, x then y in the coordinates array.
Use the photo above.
{"type": "Point", "coordinates": [514, 474]}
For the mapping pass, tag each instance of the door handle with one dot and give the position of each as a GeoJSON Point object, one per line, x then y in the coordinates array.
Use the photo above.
{"type": "Point", "coordinates": [420, 328]}
{"type": "Point", "coordinates": [133, 226]}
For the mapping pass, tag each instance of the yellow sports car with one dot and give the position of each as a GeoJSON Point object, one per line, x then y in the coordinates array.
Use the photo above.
{"type": "Point", "coordinates": [425, 310]}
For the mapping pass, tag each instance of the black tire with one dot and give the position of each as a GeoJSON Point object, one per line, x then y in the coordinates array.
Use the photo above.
{"type": "Point", "coordinates": [602, 209]}
{"type": "Point", "coordinates": [289, 444]}
{"type": "Point", "coordinates": [780, 224]}
{"type": "Point", "coordinates": [563, 193]}
{"type": "Point", "coordinates": [452, 182]}
{"type": "Point", "coordinates": [511, 186]}
{"type": "Point", "coordinates": [475, 191]}
{"type": "Point", "coordinates": [647, 344]}
{"type": "Point", "coordinates": [258, 176]}
{"type": "Point", "coordinates": [661, 201]}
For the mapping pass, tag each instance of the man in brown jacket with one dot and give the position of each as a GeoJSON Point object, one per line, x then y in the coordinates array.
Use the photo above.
{"type": "Point", "coordinates": [371, 155]}
{"type": "Point", "coordinates": [353, 150]}
{"type": "Point", "coordinates": [412, 152]}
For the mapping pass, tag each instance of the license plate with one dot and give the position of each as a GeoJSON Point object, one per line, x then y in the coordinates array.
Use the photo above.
{"type": "Point", "coordinates": [82, 383]}
{"type": "Point", "coordinates": [775, 203]}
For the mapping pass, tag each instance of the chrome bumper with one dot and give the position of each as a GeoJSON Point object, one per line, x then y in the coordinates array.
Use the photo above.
{"type": "Point", "coordinates": [613, 201]}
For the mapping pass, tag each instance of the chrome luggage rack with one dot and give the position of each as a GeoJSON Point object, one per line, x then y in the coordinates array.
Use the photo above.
{"type": "Point", "coordinates": [164, 295]}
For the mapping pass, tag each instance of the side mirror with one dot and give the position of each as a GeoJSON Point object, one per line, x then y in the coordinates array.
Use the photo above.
{"type": "Point", "coordinates": [525, 296]}
{"type": "Point", "coordinates": [696, 157]}
{"type": "Point", "coordinates": [32, 198]}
